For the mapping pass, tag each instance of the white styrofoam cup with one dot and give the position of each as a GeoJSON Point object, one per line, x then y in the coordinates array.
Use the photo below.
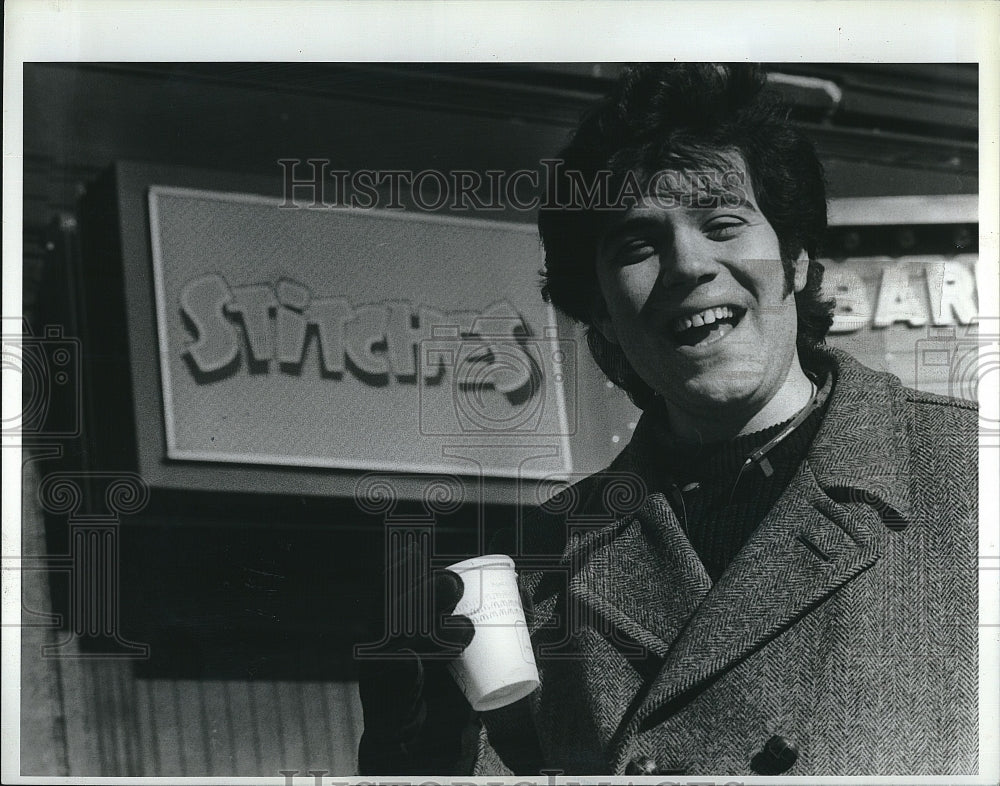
{"type": "Point", "coordinates": [498, 667]}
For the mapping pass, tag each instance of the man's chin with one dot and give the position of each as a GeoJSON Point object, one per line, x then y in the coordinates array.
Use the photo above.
{"type": "Point", "coordinates": [713, 399]}
{"type": "Point", "coordinates": [726, 384]}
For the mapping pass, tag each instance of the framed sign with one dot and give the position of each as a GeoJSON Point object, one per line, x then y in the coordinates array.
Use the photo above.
{"type": "Point", "coordinates": [276, 347]}
{"type": "Point", "coordinates": [306, 338]}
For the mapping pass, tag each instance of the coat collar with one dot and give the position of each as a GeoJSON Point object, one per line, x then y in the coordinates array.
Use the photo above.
{"type": "Point", "coordinates": [861, 452]}
{"type": "Point", "coordinates": [642, 575]}
{"type": "Point", "coordinates": [805, 550]}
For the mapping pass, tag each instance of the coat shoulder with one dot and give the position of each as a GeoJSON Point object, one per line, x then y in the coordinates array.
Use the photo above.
{"type": "Point", "coordinates": [954, 411]}
{"type": "Point", "coordinates": [941, 422]}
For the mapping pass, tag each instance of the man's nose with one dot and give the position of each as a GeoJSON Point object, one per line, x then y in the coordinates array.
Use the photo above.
{"type": "Point", "coordinates": [688, 260]}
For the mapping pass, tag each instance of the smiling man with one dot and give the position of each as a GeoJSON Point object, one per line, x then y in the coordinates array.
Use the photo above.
{"type": "Point", "coordinates": [695, 299]}
{"type": "Point", "coordinates": [778, 574]}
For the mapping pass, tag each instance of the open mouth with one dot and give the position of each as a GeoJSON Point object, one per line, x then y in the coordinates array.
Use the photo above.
{"type": "Point", "coordinates": [707, 326]}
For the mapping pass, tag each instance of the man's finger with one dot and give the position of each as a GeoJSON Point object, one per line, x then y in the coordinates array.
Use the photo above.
{"type": "Point", "coordinates": [448, 590]}
{"type": "Point", "coordinates": [454, 632]}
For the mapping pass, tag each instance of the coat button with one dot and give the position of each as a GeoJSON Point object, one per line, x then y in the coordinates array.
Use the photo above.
{"type": "Point", "coordinates": [778, 756]}
{"type": "Point", "coordinates": [642, 765]}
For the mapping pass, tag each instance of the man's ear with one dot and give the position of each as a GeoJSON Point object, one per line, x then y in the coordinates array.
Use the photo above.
{"type": "Point", "coordinates": [601, 319]}
{"type": "Point", "coordinates": [801, 266]}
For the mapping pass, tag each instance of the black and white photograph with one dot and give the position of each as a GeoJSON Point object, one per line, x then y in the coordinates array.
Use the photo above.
{"type": "Point", "coordinates": [407, 393]}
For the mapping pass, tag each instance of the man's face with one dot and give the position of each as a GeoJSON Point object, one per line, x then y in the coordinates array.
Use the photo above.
{"type": "Point", "coordinates": [695, 297]}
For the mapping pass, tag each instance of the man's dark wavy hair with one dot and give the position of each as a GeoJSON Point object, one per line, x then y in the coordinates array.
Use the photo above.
{"type": "Point", "coordinates": [687, 117]}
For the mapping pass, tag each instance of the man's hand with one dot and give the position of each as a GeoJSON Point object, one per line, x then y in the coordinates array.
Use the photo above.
{"type": "Point", "coordinates": [416, 719]}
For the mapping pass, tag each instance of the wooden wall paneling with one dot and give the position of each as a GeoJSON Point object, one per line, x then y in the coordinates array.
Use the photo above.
{"type": "Point", "coordinates": [43, 721]}
{"type": "Point", "coordinates": [218, 724]}
{"type": "Point", "coordinates": [147, 724]}
{"type": "Point", "coordinates": [165, 702]}
{"type": "Point", "coordinates": [317, 746]}
{"type": "Point", "coordinates": [83, 742]}
{"type": "Point", "coordinates": [245, 730]}
{"type": "Point", "coordinates": [297, 749]}
{"type": "Point", "coordinates": [345, 703]}
{"type": "Point", "coordinates": [196, 738]}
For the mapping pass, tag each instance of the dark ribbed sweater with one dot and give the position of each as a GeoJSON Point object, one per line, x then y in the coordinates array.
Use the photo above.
{"type": "Point", "coordinates": [718, 507]}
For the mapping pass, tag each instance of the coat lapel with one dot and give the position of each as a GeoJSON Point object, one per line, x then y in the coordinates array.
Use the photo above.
{"type": "Point", "coordinates": [642, 576]}
{"type": "Point", "coordinates": [804, 551]}
{"type": "Point", "coordinates": [809, 545]}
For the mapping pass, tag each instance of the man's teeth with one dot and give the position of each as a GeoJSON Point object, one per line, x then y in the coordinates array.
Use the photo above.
{"type": "Point", "coordinates": [706, 317]}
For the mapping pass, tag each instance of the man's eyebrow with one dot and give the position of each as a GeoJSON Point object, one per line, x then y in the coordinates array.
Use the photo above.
{"type": "Point", "coordinates": [739, 199]}
{"type": "Point", "coordinates": [733, 199]}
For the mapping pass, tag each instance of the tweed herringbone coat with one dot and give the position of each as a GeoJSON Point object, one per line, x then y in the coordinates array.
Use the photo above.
{"type": "Point", "coordinates": [846, 627]}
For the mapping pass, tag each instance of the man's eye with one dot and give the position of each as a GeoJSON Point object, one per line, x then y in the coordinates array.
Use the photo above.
{"type": "Point", "coordinates": [724, 228]}
{"type": "Point", "coordinates": [634, 250]}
